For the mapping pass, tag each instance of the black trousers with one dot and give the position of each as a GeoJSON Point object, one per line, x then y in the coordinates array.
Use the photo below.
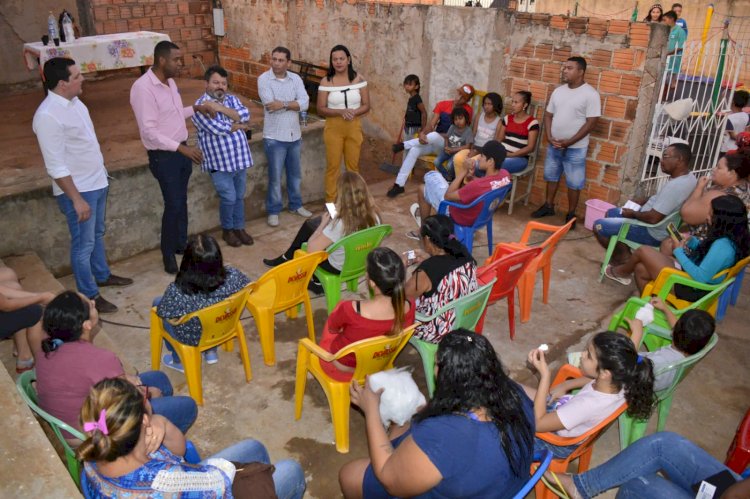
{"type": "Point", "coordinates": [303, 235]}
{"type": "Point", "coordinates": [172, 170]}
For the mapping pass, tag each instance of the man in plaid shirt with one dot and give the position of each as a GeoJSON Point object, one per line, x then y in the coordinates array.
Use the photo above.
{"type": "Point", "coordinates": [226, 154]}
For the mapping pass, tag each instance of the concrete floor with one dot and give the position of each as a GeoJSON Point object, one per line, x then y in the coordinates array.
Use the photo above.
{"type": "Point", "coordinates": [712, 399]}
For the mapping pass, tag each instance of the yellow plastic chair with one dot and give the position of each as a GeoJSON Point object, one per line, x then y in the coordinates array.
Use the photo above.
{"type": "Point", "coordinates": [654, 287]}
{"type": "Point", "coordinates": [373, 355]}
{"type": "Point", "coordinates": [220, 323]}
{"type": "Point", "coordinates": [282, 289]}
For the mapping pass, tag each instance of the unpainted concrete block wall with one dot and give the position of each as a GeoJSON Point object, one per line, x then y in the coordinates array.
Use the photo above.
{"type": "Point", "coordinates": [616, 54]}
{"type": "Point", "coordinates": [134, 207]}
{"type": "Point", "coordinates": [187, 22]}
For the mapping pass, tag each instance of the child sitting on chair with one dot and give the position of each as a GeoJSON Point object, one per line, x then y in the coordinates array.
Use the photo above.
{"type": "Point", "coordinates": [690, 334]}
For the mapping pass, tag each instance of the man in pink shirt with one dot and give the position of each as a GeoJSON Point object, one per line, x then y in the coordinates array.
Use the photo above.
{"type": "Point", "coordinates": [161, 117]}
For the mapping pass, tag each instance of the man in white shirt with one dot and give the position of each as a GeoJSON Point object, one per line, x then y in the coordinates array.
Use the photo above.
{"type": "Point", "coordinates": [74, 160]}
{"type": "Point", "coordinates": [284, 96]}
{"type": "Point", "coordinates": [571, 114]}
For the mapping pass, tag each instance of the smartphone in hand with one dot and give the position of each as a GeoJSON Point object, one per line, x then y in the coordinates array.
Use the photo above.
{"type": "Point", "coordinates": [331, 210]}
{"type": "Point", "coordinates": [411, 257]}
{"type": "Point", "coordinates": [674, 232]}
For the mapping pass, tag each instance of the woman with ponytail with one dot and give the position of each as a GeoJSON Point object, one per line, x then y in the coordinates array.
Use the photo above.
{"type": "Point", "coordinates": [387, 313]}
{"type": "Point", "coordinates": [68, 364]}
{"type": "Point", "coordinates": [446, 271]}
{"type": "Point", "coordinates": [613, 373]}
{"type": "Point", "coordinates": [132, 452]}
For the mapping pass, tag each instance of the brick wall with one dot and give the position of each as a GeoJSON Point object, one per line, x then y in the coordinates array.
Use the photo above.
{"type": "Point", "coordinates": [616, 53]}
{"type": "Point", "coordinates": [188, 24]}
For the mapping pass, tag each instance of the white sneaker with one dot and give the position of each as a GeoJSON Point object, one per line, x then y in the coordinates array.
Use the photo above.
{"type": "Point", "coordinates": [273, 220]}
{"type": "Point", "coordinates": [302, 211]}
{"type": "Point", "coordinates": [414, 210]}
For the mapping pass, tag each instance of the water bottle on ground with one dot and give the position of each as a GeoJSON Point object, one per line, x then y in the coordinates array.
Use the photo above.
{"type": "Point", "coordinates": [67, 27]}
{"type": "Point", "coordinates": [52, 26]}
{"type": "Point", "coordinates": [303, 118]}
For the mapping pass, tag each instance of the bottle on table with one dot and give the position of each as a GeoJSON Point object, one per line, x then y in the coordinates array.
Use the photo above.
{"type": "Point", "coordinates": [67, 28]}
{"type": "Point", "coordinates": [52, 27]}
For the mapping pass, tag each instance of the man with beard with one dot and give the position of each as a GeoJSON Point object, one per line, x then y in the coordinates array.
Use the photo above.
{"type": "Point", "coordinates": [571, 114]}
{"type": "Point", "coordinates": [226, 154]}
{"type": "Point", "coordinates": [161, 117]}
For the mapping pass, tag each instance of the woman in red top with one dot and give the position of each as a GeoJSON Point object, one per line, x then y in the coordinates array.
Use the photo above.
{"type": "Point", "coordinates": [388, 312]}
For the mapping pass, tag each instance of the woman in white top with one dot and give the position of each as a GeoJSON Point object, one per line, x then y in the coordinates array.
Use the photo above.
{"type": "Point", "coordinates": [342, 98]}
{"type": "Point", "coordinates": [486, 124]}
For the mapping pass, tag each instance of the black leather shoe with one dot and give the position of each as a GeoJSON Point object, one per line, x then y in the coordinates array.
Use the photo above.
{"type": "Point", "coordinates": [545, 210]}
{"type": "Point", "coordinates": [569, 217]}
{"type": "Point", "coordinates": [274, 262]}
{"type": "Point", "coordinates": [115, 280]}
{"type": "Point", "coordinates": [103, 306]}
{"type": "Point", "coordinates": [170, 264]}
{"type": "Point", "coordinates": [394, 191]}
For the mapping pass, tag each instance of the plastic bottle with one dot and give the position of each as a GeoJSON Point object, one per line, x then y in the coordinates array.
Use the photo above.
{"type": "Point", "coordinates": [67, 26]}
{"type": "Point", "coordinates": [52, 27]}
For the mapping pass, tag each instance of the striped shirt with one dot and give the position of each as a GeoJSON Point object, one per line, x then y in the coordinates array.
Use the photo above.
{"type": "Point", "coordinates": [282, 125]}
{"type": "Point", "coordinates": [517, 134]}
{"type": "Point", "coordinates": [223, 150]}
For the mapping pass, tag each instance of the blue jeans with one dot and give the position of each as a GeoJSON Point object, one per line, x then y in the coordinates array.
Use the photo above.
{"type": "Point", "coordinates": [180, 410]}
{"type": "Point", "coordinates": [173, 171]}
{"type": "Point", "coordinates": [635, 469]}
{"type": "Point", "coordinates": [610, 227]}
{"type": "Point", "coordinates": [87, 256]}
{"type": "Point", "coordinates": [571, 161]}
{"type": "Point", "coordinates": [515, 165]}
{"type": "Point", "coordinates": [288, 479]}
{"type": "Point", "coordinates": [230, 186]}
{"type": "Point", "coordinates": [283, 155]}
{"type": "Point", "coordinates": [444, 164]}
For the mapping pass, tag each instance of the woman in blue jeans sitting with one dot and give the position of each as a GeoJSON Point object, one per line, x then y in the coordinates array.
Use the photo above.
{"type": "Point", "coordinates": [635, 470]}
{"type": "Point", "coordinates": [202, 281]}
{"type": "Point", "coordinates": [131, 452]}
{"type": "Point", "coordinates": [68, 364]}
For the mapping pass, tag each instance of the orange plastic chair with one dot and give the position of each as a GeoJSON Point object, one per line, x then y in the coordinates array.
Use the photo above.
{"type": "Point", "coordinates": [220, 323]}
{"type": "Point", "coordinates": [585, 449]}
{"type": "Point", "coordinates": [543, 262]}
{"type": "Point", "coordinates": [373, 355]}
{"type": "Point", "coordinates": [656, 285]}
{"type": "Point", "coordinates": [508, 270]}
{"type": "Point", "coordinates": [282, 289]}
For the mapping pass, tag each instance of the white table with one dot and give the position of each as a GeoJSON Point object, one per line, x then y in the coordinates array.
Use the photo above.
{"type": "Point", "coordinates": [98, 53]}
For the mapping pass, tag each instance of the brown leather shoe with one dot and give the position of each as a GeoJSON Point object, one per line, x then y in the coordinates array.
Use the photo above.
{"type": "Point", "coordinates": [244, 237]}
{"type": "Point", "coordinates": [103, 306]}
{"type": "Point", "coordinates": [116, 280]}
{"type": "Point", "coordinates": [230, 237]}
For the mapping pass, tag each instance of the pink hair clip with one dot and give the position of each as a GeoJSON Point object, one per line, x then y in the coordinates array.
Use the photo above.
{"type": "Point", "coordinates": [100, 425]}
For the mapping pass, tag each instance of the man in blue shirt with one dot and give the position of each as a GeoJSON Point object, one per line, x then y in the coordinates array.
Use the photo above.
{"type": "Point", "coordinates": [226, 154]}
{"type": "Point", "coordinates": [677, 38]}
{"type": "Point", "coordinates": [677, 9]}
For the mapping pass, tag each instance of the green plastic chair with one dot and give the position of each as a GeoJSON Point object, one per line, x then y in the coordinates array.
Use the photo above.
{"type": "Point", "coordinates": [28, 394]}
{"type": "Point", "coordinates": [622, 237]}
{"type": "Point", "coordinates": [356, 248]}
{"type": "Point", "coordinates": [469, 310]}
{"type": "Point", "coordinates": [658, 334]}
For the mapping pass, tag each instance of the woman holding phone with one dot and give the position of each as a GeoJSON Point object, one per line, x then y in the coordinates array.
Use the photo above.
{"type": "Point", "coordinates": [727, 242]}
{"type": "Point", "coordinates": [355, 210]}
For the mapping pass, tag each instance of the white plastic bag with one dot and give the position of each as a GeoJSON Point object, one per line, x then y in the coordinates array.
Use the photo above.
{"type": "Point", "coordinates": [401, 396]}
{"type": "Point", "coordinates": [645, 314]}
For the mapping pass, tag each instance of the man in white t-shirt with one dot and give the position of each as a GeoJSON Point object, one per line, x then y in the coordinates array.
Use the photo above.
{"type": "Point", "coordinates": [571, 114]}
{"type": "Point", "coordinates": [74, 161]}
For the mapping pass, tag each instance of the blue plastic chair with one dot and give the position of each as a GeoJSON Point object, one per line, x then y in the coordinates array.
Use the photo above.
{"type": "Point", "coordinates": [489, 202]}
{"type": "Point", "coordinates": [543, 458]}
{"type": "Point", "coordinates": [729, 297]}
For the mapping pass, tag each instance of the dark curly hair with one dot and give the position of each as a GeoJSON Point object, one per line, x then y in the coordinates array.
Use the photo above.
{"type": "Point", "coordinates": [630, 372]}
{"type": "Point", "coordinates": [202, 267]}
{"type": "Point", "coordinates": [470, 375]}
{"type": "Point", "coordinates": [729, 220]}
{"type": "Point", "coordinates": [497, 102]}
{"type": "Point", "coordinates": [63, 320]}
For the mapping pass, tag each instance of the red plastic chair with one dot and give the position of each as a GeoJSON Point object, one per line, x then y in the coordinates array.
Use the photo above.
{"type": "Point", "coordinates": [508, 270]}
{"type": "Point", "coordinates": [738, 455]}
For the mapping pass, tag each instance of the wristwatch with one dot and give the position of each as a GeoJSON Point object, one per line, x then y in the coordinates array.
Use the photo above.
{"type": "Point", "coordinates": [286, 105]}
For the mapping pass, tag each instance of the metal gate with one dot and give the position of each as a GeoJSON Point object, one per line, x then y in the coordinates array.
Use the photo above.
{"type": "Point", "coordinates": [705, 84]}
